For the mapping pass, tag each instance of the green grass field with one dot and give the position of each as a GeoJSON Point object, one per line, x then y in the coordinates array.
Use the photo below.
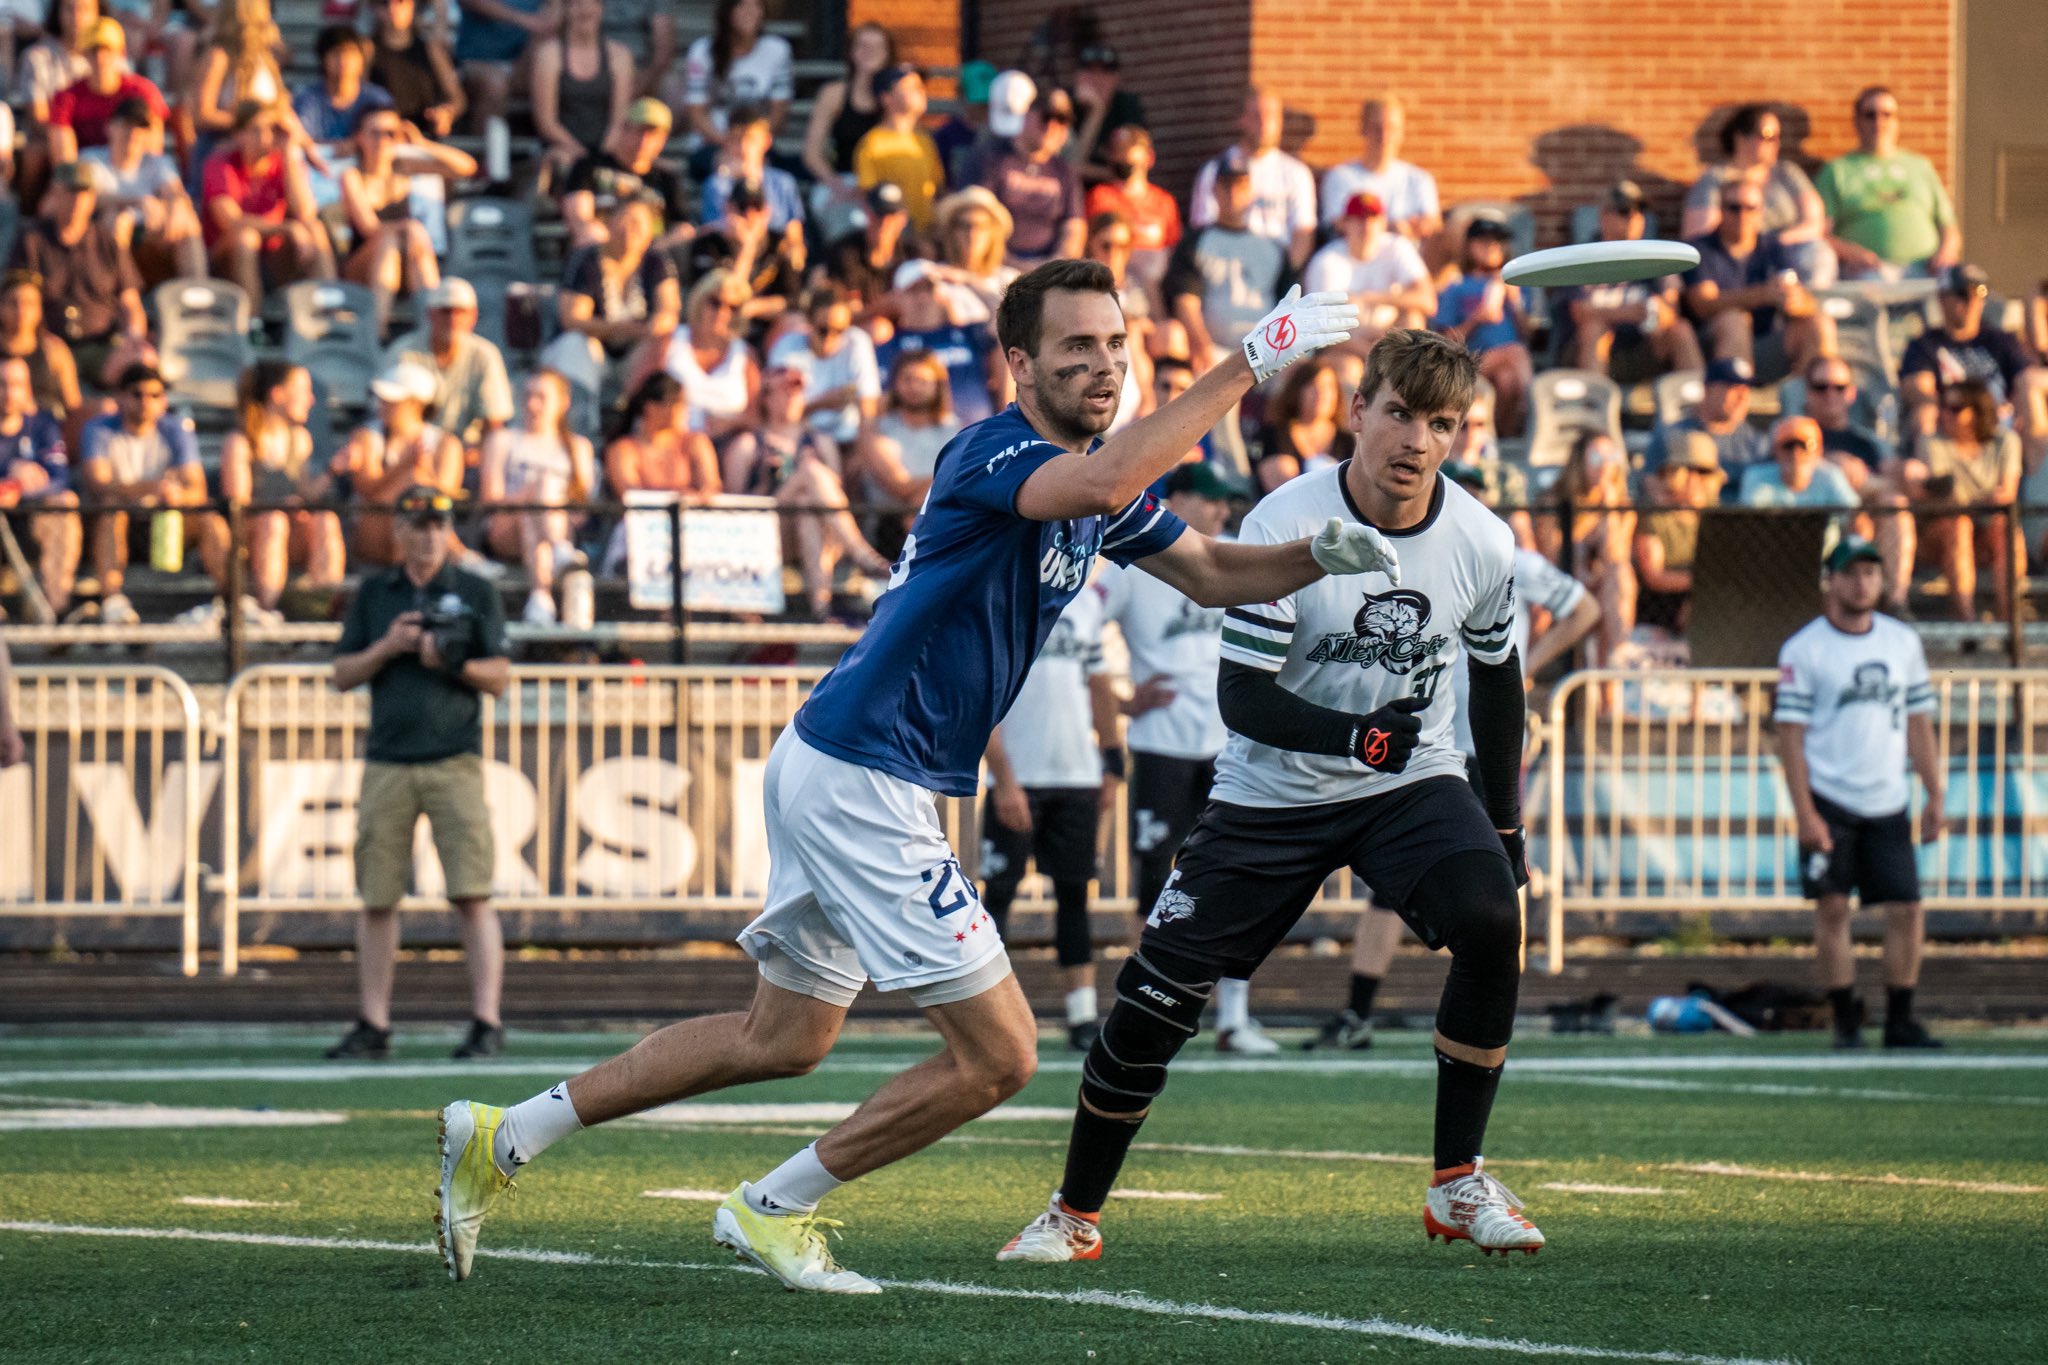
{"type": "Point", "coordinates": [1705, 1200]}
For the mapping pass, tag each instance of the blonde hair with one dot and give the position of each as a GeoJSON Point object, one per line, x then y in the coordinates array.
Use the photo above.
{"type": "Point", "coordinates": [714, 282]}
{"type": "Point", "coordinates": [247, 32]}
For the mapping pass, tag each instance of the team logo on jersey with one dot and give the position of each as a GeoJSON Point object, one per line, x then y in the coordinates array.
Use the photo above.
{"type": "Point", "coordinates": [1172, 905]}
{"type": "Point", "coordinates": [1148, 832]}
{"type": "Point", "coordinates": [1064, 565]}
{"type": "Point", "coordinates": [1870, 682]}
{"type": "Point", "coordinates": [1190, 619]}
{"type": "Point", "coordinates": [1388, 631]}
{"type": "Point", "coordinates": [1064, 643]}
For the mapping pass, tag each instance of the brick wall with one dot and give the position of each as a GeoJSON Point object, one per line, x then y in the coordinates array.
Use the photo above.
{"type": "Point", "coordinates": [927, 31]}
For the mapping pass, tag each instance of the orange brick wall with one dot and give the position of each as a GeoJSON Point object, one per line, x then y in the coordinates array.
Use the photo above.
{"type": "Point", "coordinates": [927, 31]}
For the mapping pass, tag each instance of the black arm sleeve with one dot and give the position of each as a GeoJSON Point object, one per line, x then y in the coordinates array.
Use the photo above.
{"type": "Point", "coordinates": [1499, 712]}
{"type": "Point", "coordinates": [1255, 705]}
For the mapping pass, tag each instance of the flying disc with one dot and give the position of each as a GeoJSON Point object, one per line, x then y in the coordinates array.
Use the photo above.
{"type": "Point", "coordinates": [1601, 263]}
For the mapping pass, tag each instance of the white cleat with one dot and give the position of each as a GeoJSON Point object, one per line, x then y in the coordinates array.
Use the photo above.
{"type": "Point", "coordinates": [791, 1248]}
{"type": "Point", "coordinates": [1055, 1235]}
{"type": "Point", "coordinates": [1478, 1209]}
{"type": "Point", "coordinates": [1249, 1041]}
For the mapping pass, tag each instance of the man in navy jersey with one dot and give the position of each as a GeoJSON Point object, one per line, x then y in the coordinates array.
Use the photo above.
{"type": "Point", "coordinates": [862, 884]}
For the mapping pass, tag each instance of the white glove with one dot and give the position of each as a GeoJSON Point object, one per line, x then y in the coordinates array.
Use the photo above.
{"type": "Point", "coordinates": [1295, 327]}
{"type": "Point", "coordinates": [1345, 547]}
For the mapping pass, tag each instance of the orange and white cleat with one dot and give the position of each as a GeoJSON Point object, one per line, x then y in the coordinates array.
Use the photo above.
{"type": "Point", "coordinates": [1058, 1234]}
{"type": "Point", "coordinates": [1472, 1206]}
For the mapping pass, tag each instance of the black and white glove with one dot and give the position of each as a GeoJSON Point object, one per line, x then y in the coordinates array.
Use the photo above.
{"type": "Point", "coordinates": [1386, 739]}
{"type": "Point", "coordinates": [1298, 325]}
{"type": "Point", "coordinates": [1515, 843]}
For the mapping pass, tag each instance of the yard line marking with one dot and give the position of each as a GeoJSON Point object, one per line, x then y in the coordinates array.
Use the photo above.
{"type": "Point", "coordinates": [822, 1112]}
{"type": "Point", "coordinates": [162, 1116]}
{"type": "Point", "coordinates": [204, 1201]}
{"type": "Point", "coordinates": [1577, 1187]}
{"type": "Point", "coordinates": [1187, 1196]}
{"type": "Point", "coordinates": [1768, 1088]}
{"type": "Point", "coordinates": [702, 1196]}
{"type": "Point", "coordinates": [1091, 1298]}
{"type": "Point", "coordinates": [1847, 1178]}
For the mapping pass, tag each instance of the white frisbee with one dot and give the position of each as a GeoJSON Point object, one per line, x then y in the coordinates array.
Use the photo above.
{"type": "Point", "coordinates": [1601, 263]}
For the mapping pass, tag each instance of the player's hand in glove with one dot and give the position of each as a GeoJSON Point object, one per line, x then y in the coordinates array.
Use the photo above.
{"type": "Point", "coordinates": [1296, 326]}
{"type": "Point", "coordinates": [1387, 737]}
{"type": "Point", "coordinates": [1515, 843]}
{"type": "Point", "coordinates": [1353, 547]}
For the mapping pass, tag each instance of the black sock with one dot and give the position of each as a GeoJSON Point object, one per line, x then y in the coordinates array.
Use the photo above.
{"type": "Point", "coordinates": [1095, 1153]}
{"type": "Point", "coordinates": [1363, 989]}
{"type": "Point", "coordinates": [1464, 1102]}
{"type": "Point", "coordinates": [1843, 998]}
{"type": "Point", "coordinates": [1898, 1005]}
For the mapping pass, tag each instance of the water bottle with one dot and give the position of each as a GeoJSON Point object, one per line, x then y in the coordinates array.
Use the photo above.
{"type": "Point", "coordinates": [497, 151]}
{"type": "Point", "coordinates": [579, 600]}
{"type": "Point", "coordinates": [167, 541]}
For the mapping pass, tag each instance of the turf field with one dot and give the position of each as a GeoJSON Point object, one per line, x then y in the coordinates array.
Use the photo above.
{"type": "Point", "coordinates": [1706, 1200]}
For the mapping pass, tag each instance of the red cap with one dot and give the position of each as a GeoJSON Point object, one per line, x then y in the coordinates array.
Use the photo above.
{"type": "Point", "coordinates": [1364, 205]}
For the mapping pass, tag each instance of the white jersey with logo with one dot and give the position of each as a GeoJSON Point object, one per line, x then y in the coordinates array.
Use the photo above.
{"type": "Point", "coordinates": [1355, 642]}
{"type": "Point", "coordinates": [1853, 694]}
{"type": "Point", "coordinates": [1538, 583]}
{"type": "Point", "coordinates": [1049, 732]}
{"type": "Point", "coordinates": [1171, 638]}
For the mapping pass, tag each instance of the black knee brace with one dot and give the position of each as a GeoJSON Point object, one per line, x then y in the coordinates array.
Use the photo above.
{"type": "Point", "coordinates": [1155, 1014]}
{"type": "Point", "coordinates": [1072, 941]}
{"type": "Point", "coordinates": [1469, 899]}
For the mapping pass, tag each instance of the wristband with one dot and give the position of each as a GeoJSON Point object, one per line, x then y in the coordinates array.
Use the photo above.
{"type": "Point", "coordinates": [1113, 762]}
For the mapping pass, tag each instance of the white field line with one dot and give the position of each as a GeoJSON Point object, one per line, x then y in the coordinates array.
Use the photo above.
{"type": "Point", "coordinates": [207, 1201]}
{"type": "Point", "coordinates": [823, 1112]}
{"type": "Point", "coordinates": [1825, 1092]}
{"type": "Point", "coordinates": [1849, 1178]}
{"type": "Point", "coordinates": [162, 1116]}
{"type": "Point", "coordinates": [700, 1196]}
{"type": "Point", "coordinates": [1179, 1196]}
{"type": "Point", "coordinates": [1577, 1187]}
{"type": "Point", "coordinates": [1129, 1303]}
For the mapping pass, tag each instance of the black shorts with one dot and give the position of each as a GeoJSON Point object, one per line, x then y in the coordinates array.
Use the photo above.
{"type": "Point", "coordinates": [1373, 899]}
{"type": "Point", "coordinates": [1167, 795]}
{"type": "Point", "coordinates": [1247, 873]}
{"type": "Point", "coordinates": [1873, 858]}
{"type": "Point", "coordinates": [1061, 839]}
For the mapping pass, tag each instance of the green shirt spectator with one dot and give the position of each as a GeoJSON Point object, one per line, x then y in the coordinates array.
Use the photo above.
{"type": "Point", "coordinates": [1887, 209]}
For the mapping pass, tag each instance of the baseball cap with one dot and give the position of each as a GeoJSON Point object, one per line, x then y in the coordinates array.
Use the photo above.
{"type": "Point", "coordinates": [975, 79]}
{"type": "Point", "coordinates": [885, 198]}
{"type": "Point", "coordinates": [912, 273]}
{"type": "Point", "coordinates": [649, 112]}
{"type": "Point", "coordinates": [405, 380]}
{"type": "Point", "coordinates": [82, 175]}
{"type": "Point", "coordinates": [746, 196]}
{"type": "Point", "coordinates": [1199, 478]}
{"type": "Point", "coordinates": [424, 502]}
{"type": "Point", "coordinates": [1694, 450]}
{"type": "Point", "coordinates": [1852, 550]}
{"type": "Point", "coordinates": [1363, 205]}
{"type": "Point", "coordinates": [1965, 281]}
{"type": "Point", "coordinates": [794, 360]}
{"type": "Point", "coordinates": [107, 33]}
{"type": "Point", "coordinates": [1466, 475]}
{"type": "Point", "coordinates": [1009, 99]}
{"type": "Point", "coordinates": [1488, 225]}
{"type": "Point", "coordinates": [1626, 196]}
{"type": "Point", "coordinates": [452, 292]}
{"type": "Point", "coordinates": [1731, 369]}
{"type": "Point", "coordinates": [1233, 164]}
{"type": "Point", "coordinates": [1055, 104]}
{"type": "Point", "coordinates": [887, 79]}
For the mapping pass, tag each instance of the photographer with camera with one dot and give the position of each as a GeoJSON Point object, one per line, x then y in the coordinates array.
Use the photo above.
{"type": "Point", "coordinates": [428, 638]}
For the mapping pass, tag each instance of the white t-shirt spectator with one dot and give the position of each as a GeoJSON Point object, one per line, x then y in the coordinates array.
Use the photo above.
{"type": "Point", "coordinates": [853, 363]}
{"type": "Point", "coordinates": [1853, 694]}
{"type": "Point", "coordinates": [1168, 637]}
{"type": "Point", "coordinates": [764, 74]}
{"type": "Point", "coordinates": [155, 173]}
{"type": "Point", "coordinates": [1408, 191]}
{"type": "Point", "coordinates": [1283, 196]}
{"type": "Point", "coordinates": [1396, 265]}
{"type": "Point", "coordinates": [1049, 731]}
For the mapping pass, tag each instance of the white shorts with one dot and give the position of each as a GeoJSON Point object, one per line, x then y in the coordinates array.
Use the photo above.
{"type": "Point", "coordinates": [862, 886]}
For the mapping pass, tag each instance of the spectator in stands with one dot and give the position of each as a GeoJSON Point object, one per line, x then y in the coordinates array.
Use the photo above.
{"type": "Point", "coordinates": [330, 109]}
{"type": "Point", "coordinates": [659, 451]}
{"type": "Point", "coordinates": [393, 252]}
{"type": "Point", "coordinates": [582, 82]}
{"type": "Point", "coordinates": [1503, 485]}
{"type": "Point", "coordinates": [1967, 347]}
{"type": "Point", "coordinates": [139, 456]}
{"type": "Point", "coordinates": [963, 131]}
{"type": "Point", "coordinates": [1485, 313]}
{"type": "Point", "coordinates": [1304, 428]}
{"type": "Point", "coordinates": [977, 377]}
{"type": "Point", "coordinates": [145, 196]}
{"type": "Point", "coordinates": [620, 301]}
{"type": "Point", "coordinates": [1034, 181]}
{"type": "Point", "coordinates": [1667, 538]}
{"type": "Point", "coordinates": [1109, 244]}
{"type": "Point", "coordinates": [538, 461]}
{"type": "Point", "coordinates": [1746, 296]}
{"type": "Point", "coordinates": [1593, 492]}
{"type": "Point", "coordinates": [81, 112]}
{"type": "Point", "coordinates": [1283, 190]}
{"type": "Point", "coordinates": [1969, 462]}
{"type": "Point", "coordinates": [1172, 377]}
{"type": "Point", "coordinates": [782, 458]}
{"type": "Point", "coordinates": [53, 373]}
{"type": "Point", "coordinates": [628, 164]}
{"type": "Point", "coordinates": [241, 67]}
{"type": "Point", "coordinates": [1408, 191]}
{"type": "Point", "coordinates": [899, 456]}
{"type": "Point", "coordinates": [1752, 147]}
{"type": "Point", "coordinates": [736, 63]}
{"type": "Point", "coordinates": [35, 481]}
{"type": "Point", "coordinates": [262, 223]}
{"type": "Point", "coordinates": [648, 30]}
{"type": "Point", "coordinates": [1627, 331]}
{"type": "Point", "coordinates": [1888, 215]}
{"type": "Point", "coordinates": [743, 160]}
{"type": "Point", "coordinates": [414, 68]}
{"type": "Point", "coordinates": [972, 231]}
{"type": "Point", "coordinates": [268, 458]}
{"type": "Point", "coordinates": [491, 47]}
{"type": "Point", "coordinates": [1723, 414]}
{"type": "Point", "coordinates": [1151, 211]}
{"type": "Point", "coordinates": [711, 360]}
{"type": "Point", "coordinates": [89, 281]}
{"type": "Point", "coordinates": [57, 60]}
{"type": "Point", "coordinates": [845, 379]}
{"type": "Point", "coordinates": [842, 112]}
{"type": "Point", "coordinates": [393, 451]}
{"type": "Point", "coordinates": [1800, 476]}
{"type": "Point", "coordinates": [1831, 402]}
{"type": "Point", "coordinates": [866, 258]}
{"type": "Point", "coordinates": [1381, 271]}
{"type": "Point", "coordinates": [472, 393]}
{"type": "Point", "coordinates": [897, 149]}
{"type": "Point", "coordinates": [1104, 103]}
{"type": "Point", "coordinates": [1225, 276]}
{"type": "Point", "coordinates": [741, 243]}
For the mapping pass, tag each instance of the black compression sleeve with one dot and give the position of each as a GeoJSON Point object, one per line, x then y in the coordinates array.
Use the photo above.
{"type": "Point", "coordinates": [1255, 705]}
{"type": "Point", "coordinates": [1499, 712]}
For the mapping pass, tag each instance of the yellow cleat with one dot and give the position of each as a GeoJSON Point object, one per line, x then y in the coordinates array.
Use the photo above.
{"type": "Point", "coordinates": [790, 1248]}
{"type": "Point", "coordinates": [470, 1181]}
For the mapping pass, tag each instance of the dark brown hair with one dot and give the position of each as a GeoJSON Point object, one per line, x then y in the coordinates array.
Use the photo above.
{"type": "Point", "coordinates": [1976, 394]}
{"type": "Point", "coordinates": [1432, 373]}
{"type": "Point", "coordinates": [1021, 315]}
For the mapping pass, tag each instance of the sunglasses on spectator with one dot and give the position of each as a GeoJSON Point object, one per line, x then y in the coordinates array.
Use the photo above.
{"type": "Point", "coordinates": [1832, 385]}
{"type": "Point", "coordinates": [1740, 206]}
{"type": "Point", "coordinates": [1872, 115]}
{"type": "Point", "coordinates": [1794, 444]}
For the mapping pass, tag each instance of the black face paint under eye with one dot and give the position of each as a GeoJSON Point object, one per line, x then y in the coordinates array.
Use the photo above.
{"type": "Point", "coordinates": [1071, 372]}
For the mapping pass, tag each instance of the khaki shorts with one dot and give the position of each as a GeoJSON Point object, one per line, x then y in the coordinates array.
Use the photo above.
{"type": "Point", "coordinates": [450, 793]}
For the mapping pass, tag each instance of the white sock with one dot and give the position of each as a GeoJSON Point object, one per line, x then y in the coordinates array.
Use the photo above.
{"type": "Point", "coordinates": [1081, 1005]}
{"type": "Point", "coordinates": [1233, 1004]}
{"type": "Point", "coordinates": [532, 1126]}
{"type": "Point", "coordinates": [795, 1186]}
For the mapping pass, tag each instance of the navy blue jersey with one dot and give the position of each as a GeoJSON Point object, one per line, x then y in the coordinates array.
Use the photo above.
{"type": "Point", "coordinates": [973, 596]}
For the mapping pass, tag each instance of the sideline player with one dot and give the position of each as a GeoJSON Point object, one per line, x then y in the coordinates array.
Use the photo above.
{"type": "Point", "coordinates": [1854, 702]}
{"type": "Point", "coordinates": [1340, 754]}
{"type": "Point", "coordinates": [1051, 778]}
{"type": "Point", "coordinates": [1573, 615]}
{"type": "Point", "coordinates": [1176, 731]}
{"type": "Point", "coordinates": [861, 882]}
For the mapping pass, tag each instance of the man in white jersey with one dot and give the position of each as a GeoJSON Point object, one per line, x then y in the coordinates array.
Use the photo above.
{"type": "Point", "coordinates": [1176, 731]}
{"type": "Point", "coordinates": [1854, 703]}
{"type": "Point", "coordinates": [1573, 615]}
{"type": "Point", "coordinates": [1050, 779]}
{"type": "Point", "coordinates": [1341, 754]}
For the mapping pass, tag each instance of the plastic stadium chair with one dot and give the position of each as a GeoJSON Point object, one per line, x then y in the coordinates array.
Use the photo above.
{"type": "Point", "coordinates": [203, 339]}
{"type": "Point", "coordinates": [1679, 394]}
{"type": "Point", "coordinates": [1862, 331]}
{"type": "Point", "coordinates": [331, 329]}
{"type": "Point", "coordinates": [1563, 403]}
{"type": "Point", "coordinates": [491, 239]}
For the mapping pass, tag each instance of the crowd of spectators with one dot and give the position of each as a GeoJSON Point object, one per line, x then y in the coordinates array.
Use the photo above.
{"type": "Point", "coordinates": [813, 328]}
